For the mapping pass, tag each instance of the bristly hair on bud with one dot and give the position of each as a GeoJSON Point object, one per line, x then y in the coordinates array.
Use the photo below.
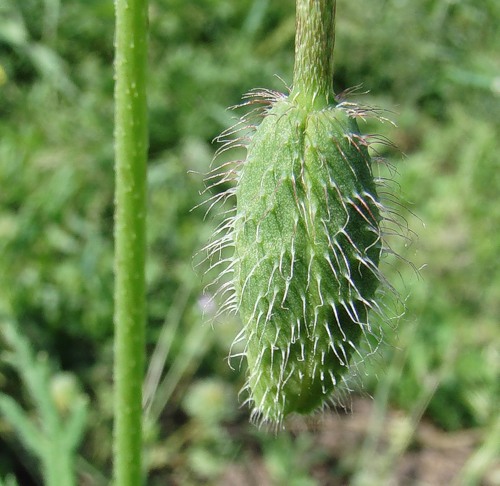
{"type": "Point", "coordinates": [298, 254]}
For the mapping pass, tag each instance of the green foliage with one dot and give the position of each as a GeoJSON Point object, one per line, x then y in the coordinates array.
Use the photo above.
{"type": "Point", "coordinates": [456, 303]}
{"type": "Point", "coordinates": [61, 411]}
{"type": "Point", "coordinates": [289, 461]}
{"type": "Point", "coordinates": [435, 63]}
{"type": "Point", "coordinates": [9, 481]}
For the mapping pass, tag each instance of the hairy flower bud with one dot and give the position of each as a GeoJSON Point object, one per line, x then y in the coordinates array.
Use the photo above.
{"type": "Point", "coordinates": [306, 236]}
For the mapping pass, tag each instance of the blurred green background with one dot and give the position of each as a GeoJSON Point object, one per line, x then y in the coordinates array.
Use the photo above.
{"type": "Point", "coordinates": [434, 419]}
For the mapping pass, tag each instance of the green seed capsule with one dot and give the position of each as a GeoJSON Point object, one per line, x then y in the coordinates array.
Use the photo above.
{"type": "Point", "coordinates": [307, 246]}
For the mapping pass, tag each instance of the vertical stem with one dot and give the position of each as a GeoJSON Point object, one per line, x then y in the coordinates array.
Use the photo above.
{"type": "Point", "coordinates": [314, 42]}
{"type": "Point", "coordinates": [58, 463]}
{"type": "Point", "coordinates": [130, 236]}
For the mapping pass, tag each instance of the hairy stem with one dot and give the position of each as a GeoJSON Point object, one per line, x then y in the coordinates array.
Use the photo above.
{"type": "Point", "coordinates": [130, 236]}
{"type": "Point", "coordinates": [314, 42]}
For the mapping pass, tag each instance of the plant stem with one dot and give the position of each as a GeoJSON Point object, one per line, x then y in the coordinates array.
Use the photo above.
{"type": "Point", "coordinates": [314, 42]}
{"type": "Point", "coordinates": [58, 463]}
{"type": "Point", "coordinates": [130, 236]}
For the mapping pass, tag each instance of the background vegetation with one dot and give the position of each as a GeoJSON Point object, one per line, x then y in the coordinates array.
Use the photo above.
{"type": "Point", "coordinates": [434, 63]}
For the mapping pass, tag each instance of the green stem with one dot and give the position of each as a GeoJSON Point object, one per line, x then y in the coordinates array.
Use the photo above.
{"type": "Point", "coordinates": [314, 42]}
{"type": "Point", "coordinates": [58, 464]}
{"type": "Point", "coordinates": [130, 236]}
